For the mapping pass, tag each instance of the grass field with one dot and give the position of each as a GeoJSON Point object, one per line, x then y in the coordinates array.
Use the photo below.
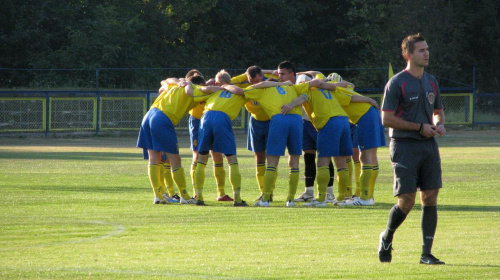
{"type": "Point", "coordinates": [81, 208]}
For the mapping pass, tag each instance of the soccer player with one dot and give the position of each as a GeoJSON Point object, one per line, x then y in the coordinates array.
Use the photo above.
{"type": "Point", "coordinates": [285, 131]}
{"type": "Point", "coordinates": [157, 132]}
{"type": "Point", "coordinates": [218, 165]}
{"type": "Point", "coordinates": [258, 124]}
{"type": "Point", "coordinates": [323, 106]}
{"type": "Point", "coordinates": [216, 133]}
{"type": "Point", "coordinates": [413, 111]}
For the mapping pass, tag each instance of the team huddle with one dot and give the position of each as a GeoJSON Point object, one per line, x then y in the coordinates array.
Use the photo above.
{"type": "Point", "coordinates": [306, 111]}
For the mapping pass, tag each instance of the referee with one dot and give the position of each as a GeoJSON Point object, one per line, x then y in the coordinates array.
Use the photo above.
{"type": "Point", "coordinates": [413, 111]}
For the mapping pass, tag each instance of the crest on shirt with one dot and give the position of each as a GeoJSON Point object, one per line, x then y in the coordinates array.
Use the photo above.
{"type": "Point", "coordinates": [431, 96]}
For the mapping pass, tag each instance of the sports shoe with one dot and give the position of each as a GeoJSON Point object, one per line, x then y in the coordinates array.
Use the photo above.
{"type": "Point", "coordinates": [260, 197]}
{"type": "Point", "coordinates": [429, 259]}
{"type": "Point", "coordinates": [329, 198]}
{"type": "Point", "coordinates": [315, 203]}
{"type": "Point", "coordinates": [224, 198]}
{"type": "Point", "coordinates": [385, 250]}
{"type": "Point", "coordinates": [192, 200]}
{"type": "Point", "coordinates": [240, 204]}
{"type": "Point", "coordinates": [176, 196]}
{"type": "Point", "coordinates": [304, 198]}
{"type": "Point", "coordinates": [354, 202]}
{"type": "Point", "coordinates": [200, 203]}
{"type": "Point", "coordinates": [290, 204]}
{"type": "Point", "coordinates": [371, 201]}
{"type": "Point", "coordinates": [261, 203]}
{"type": "Point", "coordinates": [169, 199]}
{"type": "Point", "coordinates": [156, 200]}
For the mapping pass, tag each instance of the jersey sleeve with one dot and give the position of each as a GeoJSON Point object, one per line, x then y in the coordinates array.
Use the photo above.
{"type": "Point", "coordinates": [392, 93]}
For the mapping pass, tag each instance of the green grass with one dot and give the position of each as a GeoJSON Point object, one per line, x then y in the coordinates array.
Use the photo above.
{"type": "Point", "coordinates": [81, 208]}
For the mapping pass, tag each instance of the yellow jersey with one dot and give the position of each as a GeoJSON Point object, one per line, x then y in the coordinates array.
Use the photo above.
{"type": "Point", "coordinates": [176, 103]}
{"type": "Point", "coordinates": [271, 99]}
{"type": "Point", "coordinates": [225, 101]}
{"type": "Point", "coordinates": [197, 111]}
{"type": "Point", "coordinates": [354, 110]}
{"type": "Point", "coordinates": [323, 105]}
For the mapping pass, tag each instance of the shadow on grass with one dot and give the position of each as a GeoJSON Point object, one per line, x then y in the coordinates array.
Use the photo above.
{"type": "Point", "coordinates": [71, 155]}
{"type": "Point", "coordinates": [443, 207]}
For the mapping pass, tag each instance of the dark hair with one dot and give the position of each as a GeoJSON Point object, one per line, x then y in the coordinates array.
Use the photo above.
{"type": "Point", "coordinates": [253, 71]}
{"type": "Point", "coordinates": [197, 80]}
{"type": "Point", "coordinates": [272, 80]}
{"type": "Point", "coordinates": [193, 72]}
{"type": "Point", "coordinates": [408, 44]}
{"type": "Point", "coordinates": [287, 65]}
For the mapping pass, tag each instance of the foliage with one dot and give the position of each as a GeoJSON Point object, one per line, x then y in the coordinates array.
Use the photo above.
{"type": "Point", "coordinates": [90, 34]}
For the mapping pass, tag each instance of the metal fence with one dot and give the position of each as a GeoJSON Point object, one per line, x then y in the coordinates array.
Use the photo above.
{"type": "Point", "coordinates": [55, 111]}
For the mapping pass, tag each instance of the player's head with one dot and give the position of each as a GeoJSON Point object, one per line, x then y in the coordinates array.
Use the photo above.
{"type": "Point", "coordinates": [222, 78]}
{"type": "Point", "coordinates": [197, 80]}
{"type": "Point", "coordinates": [254, 74]}
{"type": "Point", "coordinates": [193, 72]}
{"type": "Point", "coordinates": [303, 78]}
{"type": "Point", "coordinates": [408, 46]}
{"type": "Point", "coordinates": [286, 71]}
{"type": "Point", "coordinates": [334, 77]}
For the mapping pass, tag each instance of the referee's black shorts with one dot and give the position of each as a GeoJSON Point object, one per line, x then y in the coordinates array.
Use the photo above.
{"type": "Point", "coordinates": [416, 165]}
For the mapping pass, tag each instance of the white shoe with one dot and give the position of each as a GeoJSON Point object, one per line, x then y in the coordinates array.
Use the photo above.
{"type": "Point", "coordinates": [329, 198]}
{"type": "Point", "coordinates": [290, 204]}
{"type": "Point", "coordinates": [261, 203]}
{"type": "Point", "coordinates": [372, 201]}
{"type": "Point", "coordinates": [315, 203]}
{"type": "Point", "coordinates": [354, 202]}
{"type": "Point", "coordinates": [304, 198]}
{"type": "Point", "coordinates": [192, 200]}
{"type": "Point", "coordinates": [167, 198]}
{"type": "Point", "coordinates": [156, 200]}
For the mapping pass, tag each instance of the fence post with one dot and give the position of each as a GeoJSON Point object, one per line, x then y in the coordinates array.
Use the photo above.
{"type": "Point", "coordinates": [473, 96]}
{"type": "Point", "coordinates": [98, 111]}
{"type": "Point", "coordinates": [47, 113]}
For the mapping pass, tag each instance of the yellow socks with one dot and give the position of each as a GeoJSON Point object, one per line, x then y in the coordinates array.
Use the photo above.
{"type": "Point", "coordinates": [342, 178]}
{"type": "Point", "coordinates": [191, 173]}
{"type": "Point", "coordinates": [261, 170]}
{"type": "Point", "coordinates": [169, 182]}
{"type": "Point", "coordinates": [366, 175]}
{"type": "Point", "coordinates": [269, 181]}
{"type": "Point", "coordinates": [220, 178]}
{"type": "Point", "coordinates": [293, 182]}
{"type": "Point", "coordinates": [235, 179]}
{"type": "Point", "coordinates": [199, 179]}
{"type": "Point", "coordinates": [154, 173]}
{"type": "Point", "coordinates": [180, 181]}
{"type": "Point", "coordinates": [373, 179]}
{"type": "Point", "coordinates": [322, 179]}
{"type": "Point", "coordinates": [348, 192]}
{"type": "Point", "coordinates": [357, 173]}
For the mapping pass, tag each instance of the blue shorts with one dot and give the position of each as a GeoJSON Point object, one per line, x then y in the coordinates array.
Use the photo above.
{"type": "Point", "coordinates": [194, 125]}
{"type": "Point", "coordinates": [285, 131]}
{"type": "Point", "coordinates": [370, 130]}
{"type": "Point", "coordinates": [334, 139]}
{"type": "Point", "coordinates": [157, 133]}
{"type": "Point", "coordinates": [310, 136]}
{"type": "Point", "coordinates": [257, 135]}
{"type": "Point", "coordinates": [354, 135]}
{"type": "Point", "coordinates": [216, 133]}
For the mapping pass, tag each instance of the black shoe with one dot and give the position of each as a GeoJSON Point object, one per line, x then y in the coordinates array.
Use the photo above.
{"type": "Point", "coordinates": [240, 204]}
{"type": "Point", "coordinates": [271, 198]}
{"type": "Point", "coordinates": [200, 203]}
{"type": "Point", "coordinates": [384, 250]}
{"type": "Point", "coordinates": [176, 196]}
{"type": "Point", "coordinates": [429, 259]}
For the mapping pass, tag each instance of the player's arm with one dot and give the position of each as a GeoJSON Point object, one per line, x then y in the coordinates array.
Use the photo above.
{"type": "Point", "coordinates": [266, 84]}
{"type": "Point", "coordinates": [188, 88]}
{"type": "Point", "coordinates": [234, 89]}
{"type": "Point", "coordinates": [285, 109]}
{"type": "Point", "coordinates": [360, 98]}
{"type": "Point", "coordinates": [310, 72]}
{"type": "Point", "coordinates": [209, 89]}
{"type": "Point", "coordinates": [345, 84]}
{"type": "Point", "coordinates": [322, 85]}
